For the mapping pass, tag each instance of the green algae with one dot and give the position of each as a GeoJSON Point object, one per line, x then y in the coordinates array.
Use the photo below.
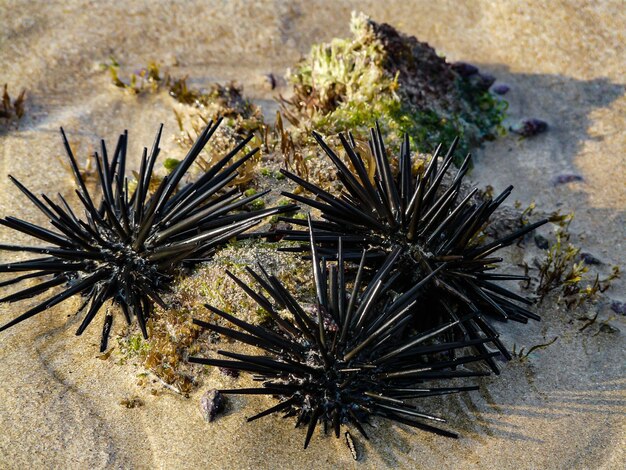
{"type": "Point", "coordinates": [170, 164]}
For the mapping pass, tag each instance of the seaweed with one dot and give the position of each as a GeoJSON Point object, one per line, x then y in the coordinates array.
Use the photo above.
{"type": "Point", "coordinates": [563, 271]}
{"type": "Point", "coordinates": [12, 109]}
{"type": "Point", "coordinates": [523, 355]}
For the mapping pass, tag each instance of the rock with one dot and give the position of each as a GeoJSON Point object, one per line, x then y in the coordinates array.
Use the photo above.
{"type": "Point", "coordinates": [566, 178]}
{"type": "Point", "coordinates": [541, 242]}
{"type": "Point", "coordinates": [606, 328]}
{"type": "Point", "coordinates": [425, 79]}
{"type": "Point", "coordinates": [618, 307]}
{"type": "Point", "coordinates": [501, 89]}
{"type": "Point", "coordinates": [485, 81]}
{"type": "Point", "coordinates": [481, 82]}
{"type": "Point", "coordinates": [588, 258]}
{"type": "Point", "coordinates": [529, 127]}
{"type": "Point", "coordinates": [464, 69]}
{"type": "Point", "coordinates": [211, 404]}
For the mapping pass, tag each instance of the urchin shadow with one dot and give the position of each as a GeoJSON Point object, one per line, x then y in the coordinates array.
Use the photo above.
{"type": "Point", "coordinates": [566, 103]}
{"type": "Point", "coordinates": [533, 164]}
{"type": "Point", "coordinates": [479, 416]}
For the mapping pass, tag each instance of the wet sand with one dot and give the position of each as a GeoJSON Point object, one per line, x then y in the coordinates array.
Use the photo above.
{"type": "Point", "coordinates": [565, 407]}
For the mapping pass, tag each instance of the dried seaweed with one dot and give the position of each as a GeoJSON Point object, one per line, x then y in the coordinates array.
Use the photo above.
{"type": "Point", "coordinates": [12, 109]}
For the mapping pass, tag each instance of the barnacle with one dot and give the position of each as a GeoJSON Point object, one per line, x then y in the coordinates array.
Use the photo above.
{"type": "Point", "coordinates": [127, 245]}
{"type": "Point", "coordinates": [353, 356]}
{"type": "Point", "coordinates": [436, 226]}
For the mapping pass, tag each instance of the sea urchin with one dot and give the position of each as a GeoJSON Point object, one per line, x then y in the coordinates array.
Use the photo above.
{"type": "Point", "coordinates": [434, 224]}
{"type": "Point", "coordinates": [355, 356]}
{"type": "Point", "coordinates": [127, 245]}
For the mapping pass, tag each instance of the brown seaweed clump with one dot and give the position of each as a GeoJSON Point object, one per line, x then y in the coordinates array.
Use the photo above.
{"type": "Point", "coordinates": [12, 110]}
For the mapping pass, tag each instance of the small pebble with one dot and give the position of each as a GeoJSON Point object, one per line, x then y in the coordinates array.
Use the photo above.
{"type": "Point", "coordinates": [566, 178]}
{"type": "Point", "coordinates": [464, 69]}
{"type": "Point", "coordinates": [501, 89]}
{"type": "Point", "coordinates": [211, 403]}
{"type": "Point", "coordinates": [588, 258]}
{"type": "Point", "coordinates": [618, 307]}
{"type": "Point", "coordinates": [529, 127]}
{"type": "Point", "coordinates": [542, 242]}
{"type": "Point", "coordinates": [277, 230]}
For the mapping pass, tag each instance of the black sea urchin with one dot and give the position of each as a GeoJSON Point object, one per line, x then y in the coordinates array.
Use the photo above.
{"type": "Point", "coordinates": [127, 245]}
{"type": "Point", "coordinates": [354, 357]}
{"type": "Point", "coordinates": [436, 228]}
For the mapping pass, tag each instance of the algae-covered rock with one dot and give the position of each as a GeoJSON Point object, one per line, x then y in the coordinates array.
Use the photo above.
{"type": "Point", "coordinates": [382, 74]}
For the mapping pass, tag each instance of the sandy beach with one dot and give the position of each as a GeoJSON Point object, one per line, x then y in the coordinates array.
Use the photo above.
{"type": "Point", "coordinates": [564, 407]}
